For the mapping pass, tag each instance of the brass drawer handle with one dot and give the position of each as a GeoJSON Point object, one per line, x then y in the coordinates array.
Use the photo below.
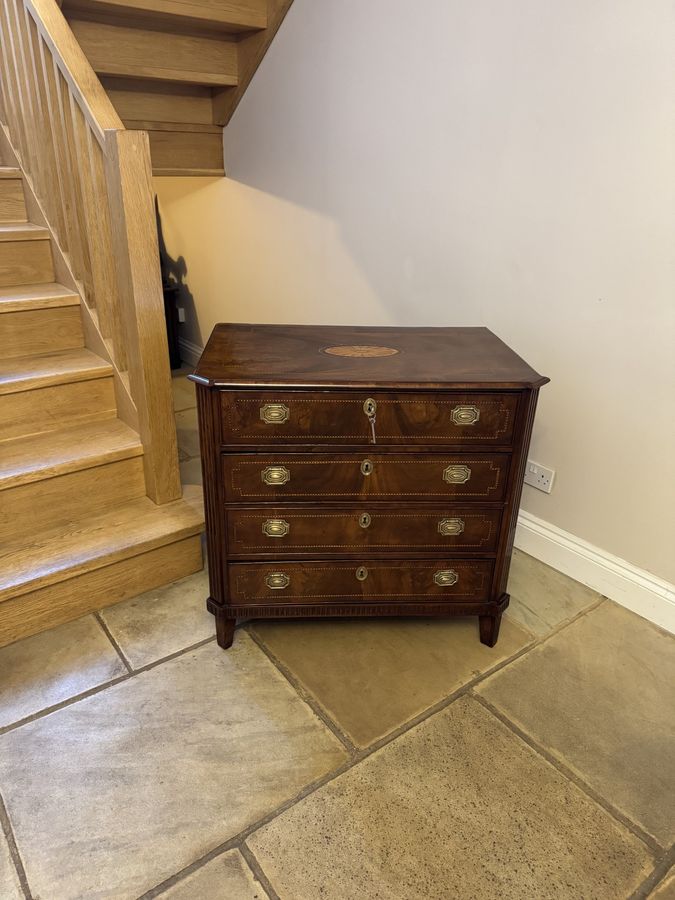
{"type": "Point", "coordinates": [277, 581]}
{"type": "Point", "coordinates": [276, 475]}
{"type": "Point", "coordinates": [446, 577]}
{"type": "Point", "coordinates": [465, 415]}
{"type": "Point", "coordinates": [275, 528]}
{"type": "Point", "coordinates": [457, 474]}
{"type": "Point", "coordinates": [448, 527]}
{"type": "Point", "coordinates": [361, 573]}
{"type": "Point", "coordinates": [364, 520]}
{"type": "Point", "coordinates": [274, 413]}
{"type": "Point", "coordinates": [367, 467]}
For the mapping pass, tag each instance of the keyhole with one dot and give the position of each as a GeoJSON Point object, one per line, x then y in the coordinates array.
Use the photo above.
{"type": "Point", "coordinates": [369, 408]}
{"type": "Point", "coordinates": [367, 467]}
{"type": "Point", "coordinates": [364, 520]}
{"type": "Point", "coordinates": [361, 573]}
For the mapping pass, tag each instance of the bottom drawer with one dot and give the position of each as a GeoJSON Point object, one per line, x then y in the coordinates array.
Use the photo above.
{"type": "Point", "coordinates": [321, 582]}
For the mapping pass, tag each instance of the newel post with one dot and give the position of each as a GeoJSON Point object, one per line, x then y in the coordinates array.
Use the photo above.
{"type": "Point", "coordinates": [136, 251]}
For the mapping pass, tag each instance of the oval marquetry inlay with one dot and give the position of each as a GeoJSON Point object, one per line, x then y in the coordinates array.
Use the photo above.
{"type": "Point", "coordinates": [360, 350]}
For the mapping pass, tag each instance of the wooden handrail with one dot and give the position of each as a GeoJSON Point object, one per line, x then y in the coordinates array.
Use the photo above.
{"type": "Point", "coordinates": [74, 65]}
{"type": "Point", "coordinates": [92, 179]}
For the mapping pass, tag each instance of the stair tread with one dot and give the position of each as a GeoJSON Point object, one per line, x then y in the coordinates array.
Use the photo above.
{"type": "Point", "coordinates": [24, 373]}
{"type": "Point", "coordinates": [128, 530]}
{"type": "Point", "coordinates": [24, 460]}
{"type": "Point", "coordinates": [10, 172]}
{"type": "Point", "coordinates": [23, 231]}
{"type": "Point", "coordinates": [36, 296]}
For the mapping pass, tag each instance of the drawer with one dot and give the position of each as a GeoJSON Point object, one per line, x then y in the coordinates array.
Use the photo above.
{"type": "Point", "coordinates": [282, 530]}
{"type": "Point", "coordinates": [298, 476]}
{"type": "Point", "coordinates": [300, 417]}
{"type": "Point", "coordinates": [325, 582]}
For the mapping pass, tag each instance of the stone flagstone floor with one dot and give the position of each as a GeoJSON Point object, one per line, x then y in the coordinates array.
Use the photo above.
{"type": "Point", "coordinates": [398, 760]}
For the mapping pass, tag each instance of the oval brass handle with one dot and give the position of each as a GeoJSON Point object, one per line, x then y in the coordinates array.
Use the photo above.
{"type": "Point", "coordinates": [448, 527]}
{"type": "Point", "coordinates": [361, 573]}
{"type": "Point", "coordinates": [364, 520]}
{"type": "Point", "coordinates": [370, 407]}
{"type": "Point", "coordinates": [277, 581]}
{"type": "Point", "coordinates": [367, 467]}
{"type": "Point", "coordinates": [457, 474]}
{"type": "Point", "coordinates": [465, 415]}
{"type": "Point", "coordinates": [276, 475]}
{"type": "Point", "coordinates": [275, 528]}
{"type": "Point", "coordinates": [446, 577]}
{"type": "Point", "coordinates": [274, 413]}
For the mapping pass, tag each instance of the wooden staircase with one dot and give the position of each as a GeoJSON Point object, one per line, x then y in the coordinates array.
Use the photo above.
{"type": "Point", "coordinates": [176, 68]}
{"type": "Point", "coordinates": [91, 510]}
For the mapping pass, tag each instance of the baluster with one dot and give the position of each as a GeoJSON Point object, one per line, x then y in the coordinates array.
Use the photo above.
{"type": "Point", "coordinates": [12, 80]}
{"type": "Point", "coordinates": [35, 138]}
{"type": "Point", "coordinates": [56, 133]}
{"type": "Point", "coordinates": [82, 248]}
{"type": "Point", "coordinates": [110, 297]}
{"type": "Point", "coordinates": [50, 195]}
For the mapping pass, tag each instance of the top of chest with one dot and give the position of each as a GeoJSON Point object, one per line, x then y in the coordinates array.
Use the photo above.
{"type": "Point", "coordinates": [323, 356]}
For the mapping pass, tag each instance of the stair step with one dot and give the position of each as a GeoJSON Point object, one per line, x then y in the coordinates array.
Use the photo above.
{"type": "Point", "coordinates": [31, 564]}
{"type": "Point", "coordinates": [9, 172]}
{"type": "Point", "coordinates": [50, 481]}
{"type": "Point", "coordinates": [222, 15]}
{"type": "Point", "coordinates": [160, 55]}
{"type": "Point", "coordinates": [27, 373]}
{"type": "Point", "coordinates": [24, 460]}
{"type": "Point", "coordinates": [33, 331]}
{"type": "Point", "coordinates": [12, 200]}
{"type": "Point", "coordinates": [23, 231]}
{"type": "Point", "coordinates": [25, 262]}
{"type": "Point", "coordinates": [36, 296]}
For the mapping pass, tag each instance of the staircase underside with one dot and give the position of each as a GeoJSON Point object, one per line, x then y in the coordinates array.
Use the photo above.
{"type": "Point", "coordinates": [176, 68]}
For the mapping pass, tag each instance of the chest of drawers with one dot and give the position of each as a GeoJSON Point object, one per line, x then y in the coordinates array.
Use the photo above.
{"type": "Point", "coordinates": [361, 471]}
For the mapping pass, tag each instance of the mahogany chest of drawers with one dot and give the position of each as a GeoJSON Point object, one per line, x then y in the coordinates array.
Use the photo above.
{"type": "Point", "coordinates": [361, 471]}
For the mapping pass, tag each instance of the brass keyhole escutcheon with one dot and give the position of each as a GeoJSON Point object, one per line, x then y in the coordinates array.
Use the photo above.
{"type": "Point", "coordinates": [370, 407]}
{"type": "Point", "coordinates": [361, 573]}
{"type": "Point", "coordinates": [364, 520]}
{"type": "Point", "coordinates": [367, 467]}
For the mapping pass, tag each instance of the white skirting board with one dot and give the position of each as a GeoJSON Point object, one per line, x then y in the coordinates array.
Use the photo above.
{"type": "Point", "coordinates": [626, 584]}
{"type": "Point", "coordinates": [189, 352]}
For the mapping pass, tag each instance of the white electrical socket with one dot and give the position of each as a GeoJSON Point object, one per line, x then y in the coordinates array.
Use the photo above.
{"type": "Point", "coordinates": [181, 314]}
{"type": "Point", "coordinates": [539, 476]}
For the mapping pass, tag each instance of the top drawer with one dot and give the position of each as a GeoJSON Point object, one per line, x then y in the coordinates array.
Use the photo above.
{"type": "Point", "coordinates": [300, 417]}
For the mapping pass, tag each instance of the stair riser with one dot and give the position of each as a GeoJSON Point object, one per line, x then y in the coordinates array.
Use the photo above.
{"type": "Point", "coordinates": [210, 15]}
{"type": "Point", "coordinates": [41, 505]}
{"type": "Point", "coordinates": [57, 406]}
{"type": "Point", "coordinates": [156, 55]}
{"type": "Point", "coordinates": [25, 262]}
{"type": "Point", "coordinates": [12, 202]}
{"type": "Point", "coordinates": [40, 331]}
{"type": "Point", "coordinates": [50, 606]}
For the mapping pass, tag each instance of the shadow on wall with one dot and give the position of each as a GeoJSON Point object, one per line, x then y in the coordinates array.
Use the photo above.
{"type": "Point", "coordinates": [174, 272]}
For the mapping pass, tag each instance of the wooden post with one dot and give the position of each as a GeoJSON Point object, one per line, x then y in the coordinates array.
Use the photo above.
{"type": "Point", "coordinates": [134, 237]}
